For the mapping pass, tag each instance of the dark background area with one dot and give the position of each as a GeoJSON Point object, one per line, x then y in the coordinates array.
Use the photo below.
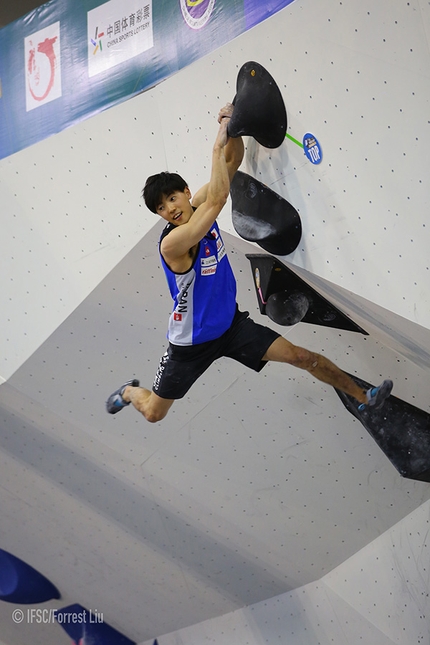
{"type": "Point", "coordinates": [10, 11]}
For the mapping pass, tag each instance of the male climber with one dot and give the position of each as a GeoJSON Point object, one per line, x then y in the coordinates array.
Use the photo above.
{"type": "Point", "coordinates": [206, 323]}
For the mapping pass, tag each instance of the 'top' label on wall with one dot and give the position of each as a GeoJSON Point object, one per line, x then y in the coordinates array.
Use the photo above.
{"type": "Point", "coordinates": [312, 148]}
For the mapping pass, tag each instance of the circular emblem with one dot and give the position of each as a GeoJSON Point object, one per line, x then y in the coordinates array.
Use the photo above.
{"type": "Point", "coordinates": [196, 13]}
{"type": "Point", "coordinates": [312, 148]}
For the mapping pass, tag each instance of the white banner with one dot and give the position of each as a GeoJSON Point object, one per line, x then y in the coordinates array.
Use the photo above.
{"type": "Point", "coordinates": [117, 31]}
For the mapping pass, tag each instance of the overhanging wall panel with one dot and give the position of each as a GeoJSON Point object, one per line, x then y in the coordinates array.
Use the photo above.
{"type": "Point", "coordinates": [379, 597]}
{"type": "Point", "coordinates": [312, 614]}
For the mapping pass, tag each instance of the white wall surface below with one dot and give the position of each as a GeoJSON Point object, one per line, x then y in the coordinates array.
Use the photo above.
{"type": "Point", "coordinates": [254, 485]}
{"type": "Point", "coordinates": [378, 597]}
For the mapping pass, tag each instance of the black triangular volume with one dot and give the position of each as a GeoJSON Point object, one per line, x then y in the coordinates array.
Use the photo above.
{"type": "Point", "coordinates": [287, 299]}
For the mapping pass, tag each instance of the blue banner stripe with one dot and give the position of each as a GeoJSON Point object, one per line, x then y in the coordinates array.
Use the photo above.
{"type": "Point", "coordinates": [51, 73]}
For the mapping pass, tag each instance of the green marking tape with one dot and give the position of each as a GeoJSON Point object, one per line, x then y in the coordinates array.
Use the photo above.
{"type": "Point", "coordinates": [294, 140]}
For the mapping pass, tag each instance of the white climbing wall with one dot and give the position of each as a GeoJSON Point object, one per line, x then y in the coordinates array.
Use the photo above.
{"type": "Point", "coordinates": [351, 73]}
{"type": "Point", "coordinates": [377, 597]}
{"type": "Point", "coordinates": [71, 210]}
{"type": "Point", "coordinates": [258, 490]}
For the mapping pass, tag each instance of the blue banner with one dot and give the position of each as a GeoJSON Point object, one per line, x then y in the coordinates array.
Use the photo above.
{"type": "Point", "coordinates": [66, 61]}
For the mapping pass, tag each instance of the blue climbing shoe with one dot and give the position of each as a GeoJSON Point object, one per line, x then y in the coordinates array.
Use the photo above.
{"type": "Point", "coordinates": [115, 402]}
{"type": "Point", "coordinates": [376, 396]}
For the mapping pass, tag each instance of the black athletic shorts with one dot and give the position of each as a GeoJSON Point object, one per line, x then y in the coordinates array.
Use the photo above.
{"type": "Point", "coordinates": [245, 341]}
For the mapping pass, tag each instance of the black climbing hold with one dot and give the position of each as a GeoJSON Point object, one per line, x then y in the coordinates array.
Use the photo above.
{"type": "Point", "coordinates": [400, 429]}
{"type": "Point", "coordinates": [260, 215]}
{"type": "Point", "coordinates": [287, 308]}
{"type": "Point", "coordinates": [259, 107]}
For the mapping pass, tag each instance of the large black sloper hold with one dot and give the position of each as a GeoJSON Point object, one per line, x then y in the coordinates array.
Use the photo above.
{"type": "Point", "coordinates": [259, 107]}
{"type": "Point", "coordinates": [260, 215]}
{"type": "Point", "coordinates": [400, 429]}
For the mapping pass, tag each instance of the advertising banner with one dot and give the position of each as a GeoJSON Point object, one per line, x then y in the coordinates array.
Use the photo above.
{"type": "Point", "coordinates": [42, 58]}
{"type": "Point", "coordinates": [118, 30]}
{"type": "Point", "coordinates": [66, 61]}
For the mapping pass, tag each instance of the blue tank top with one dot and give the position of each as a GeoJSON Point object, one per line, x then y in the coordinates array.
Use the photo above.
{"type": "Point", "coordinates": [205, 296]}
